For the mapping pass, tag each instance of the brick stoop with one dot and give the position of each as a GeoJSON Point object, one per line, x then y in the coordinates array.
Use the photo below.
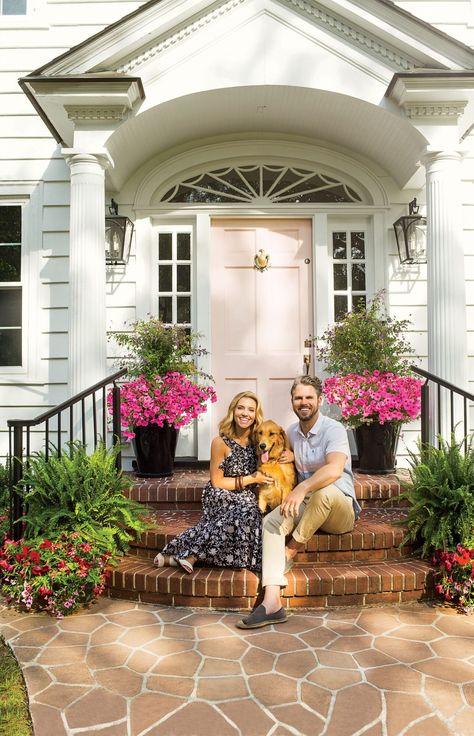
{"type": "Point", "coordinates": [365, 566]}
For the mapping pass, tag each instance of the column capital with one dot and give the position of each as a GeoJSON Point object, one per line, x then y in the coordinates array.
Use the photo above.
{"type": "Point", "coordinates": [79, 155]}
{"type": "Point", "coordinates": [435, 154]}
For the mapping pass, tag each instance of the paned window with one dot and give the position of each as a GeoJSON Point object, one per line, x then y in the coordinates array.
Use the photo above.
{"type": "Point", "coordinates": [261, 183]}
{"type": "Point", "coordinates": [10, 286]}
{"type": "Point", "coordinates": [349, 271]}
{"type": "Point", "coordinates": [174, 276]}
{"type": "Point", "coordinates": [13, 7]}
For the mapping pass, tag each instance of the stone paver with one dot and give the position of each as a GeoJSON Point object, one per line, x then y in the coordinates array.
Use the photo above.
{"type": "Point", "coordinates": [129, 669]}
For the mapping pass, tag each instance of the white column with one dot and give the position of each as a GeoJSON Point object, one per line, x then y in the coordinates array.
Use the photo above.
{"type": "Point", "coordinates": [87, 317]}
{"type": "Point", "coordinates": [447, 346]}
{"type": "Point", "coordinates": [447, 342]}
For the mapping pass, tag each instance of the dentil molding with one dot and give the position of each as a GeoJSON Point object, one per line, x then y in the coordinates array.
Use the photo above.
{"type": "Point", "coordinates": [450, 110]}
{"type": "Point", "coordinates": [331, 22]}
{"type": "Point", "coordinates": [93, 113]}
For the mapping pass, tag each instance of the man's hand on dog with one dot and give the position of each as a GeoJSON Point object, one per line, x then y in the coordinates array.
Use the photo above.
{"type": "Point", "coordinates": [292, 502]}
{"type": "Point", "coordinates": [286, 457]}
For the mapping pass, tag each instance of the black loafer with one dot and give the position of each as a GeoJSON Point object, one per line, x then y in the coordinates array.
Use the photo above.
{"type": "Point", "coordinates": [259, 617]}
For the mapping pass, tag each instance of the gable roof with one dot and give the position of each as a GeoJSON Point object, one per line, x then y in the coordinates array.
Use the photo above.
{"type": "Point", "coordinates": [377, 27]}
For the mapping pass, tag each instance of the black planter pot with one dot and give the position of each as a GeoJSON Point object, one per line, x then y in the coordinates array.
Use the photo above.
{"type": "Point", "coordinates": [377, 447]}
{"type": "Point", "coordinates": [155, 449]}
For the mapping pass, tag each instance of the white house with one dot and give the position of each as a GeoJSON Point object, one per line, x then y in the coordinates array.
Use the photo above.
{"type": "Point", "coordinates": [302, 128]}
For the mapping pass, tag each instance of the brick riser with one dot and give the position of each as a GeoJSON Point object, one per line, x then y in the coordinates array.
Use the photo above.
{"type": "Point", "coordinates": [374, 538]}
{"type": "Point", "coordinates": [311, 586]}
{"type": "Point", "coordinates": [184, 490]}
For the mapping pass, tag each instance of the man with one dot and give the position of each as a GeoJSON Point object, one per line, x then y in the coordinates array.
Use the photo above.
{"type": "Point", "coordinates": [323, 499]}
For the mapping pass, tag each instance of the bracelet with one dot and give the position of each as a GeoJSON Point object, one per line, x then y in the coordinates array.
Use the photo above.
{"type": "Point", "coordinates": [239, 483]}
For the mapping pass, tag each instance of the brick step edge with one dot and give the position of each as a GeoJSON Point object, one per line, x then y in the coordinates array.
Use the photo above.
{"type": "Point", "coordinates": [186, 488]}
{"type": "Point", "coordinates": [308, 586]}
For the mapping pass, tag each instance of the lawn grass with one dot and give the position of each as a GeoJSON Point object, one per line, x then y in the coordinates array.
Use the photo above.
{"type": "Point", "coordinates": [14, 714]}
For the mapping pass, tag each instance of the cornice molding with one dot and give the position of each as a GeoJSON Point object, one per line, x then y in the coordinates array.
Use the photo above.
{"type": "Point", "coordinates": [329, 21]}
{"type": "Point", "coordinates": [340, 27]}
{"type": "Point", "coordinates": [450, 110]}
{"type": "Point", "coordinates": [182, 33]}
{"type": "Point", "coordinates": [93, 113]}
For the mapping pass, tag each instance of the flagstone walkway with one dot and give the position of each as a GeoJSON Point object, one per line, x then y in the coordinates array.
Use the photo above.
{"type": "Point", "coordinates": [130, 669]}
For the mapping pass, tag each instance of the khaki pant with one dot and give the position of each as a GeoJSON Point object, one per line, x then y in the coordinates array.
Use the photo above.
{"type": "Point", "coordinates": [328, 509]}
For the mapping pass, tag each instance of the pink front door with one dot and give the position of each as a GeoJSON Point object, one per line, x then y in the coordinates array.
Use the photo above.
{"type": "Point", "coordinates": [260, 319]}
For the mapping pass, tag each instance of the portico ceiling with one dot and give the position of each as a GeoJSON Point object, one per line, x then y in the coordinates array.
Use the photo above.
{"type": "Point", "coordinates": [380, 134]}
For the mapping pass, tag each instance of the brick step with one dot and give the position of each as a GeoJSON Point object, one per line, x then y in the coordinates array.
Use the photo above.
{"type": "Point", "coordinates": [184, 489]}
{"type": "Point", "coordinates": [374, 537]}
{"type": "Point", "coordinates": [309, 585]}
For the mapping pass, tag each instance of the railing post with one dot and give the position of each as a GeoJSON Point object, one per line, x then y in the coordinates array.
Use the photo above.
{"type": "Point", "coordinates": [16, 474]}
{"type": "Point", "coordinates": [116, 428]}
{"type": "Point", "coordinates": [425, 414]}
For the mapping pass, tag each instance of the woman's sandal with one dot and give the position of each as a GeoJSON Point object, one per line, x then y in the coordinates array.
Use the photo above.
{"type": "Point", "coordinates": [162, 560]}
{"type": "Point", "coordinates": [186, 565]}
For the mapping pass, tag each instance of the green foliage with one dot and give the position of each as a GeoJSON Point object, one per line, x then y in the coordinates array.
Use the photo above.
{"type": "Point", "coordinates": [81, 493]}
{"type": "Point", "coordinates": [366, 339]}
{"type": "Point", "coordinates": [155, 349]}
{"type": "Point", "coordinates": [57, 575]}
{"type": "Point", "coordinates": [14, 714]}
{"type": "Point", "coordinates": [4, 499]}
{"type": "Point", "coordinates": [441, 496]}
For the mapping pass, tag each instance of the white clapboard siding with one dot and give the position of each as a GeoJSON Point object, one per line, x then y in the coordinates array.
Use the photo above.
{"type": "Point", "coordinates": [120, 318]}
{"type": "Point", "coordinates": [54, 295]}
{"type": "Point", "coordinates": [21, 149]}
{"type": "Point", "coordinates": [54, 344]}
{"type": "Point", "coordinates": [54, 320]}
{"type": "Point", "coordinates": [56, 218]}
{"type": "Point", "coordinates": [54, 269]}
{"type": "Point", "coordinates": [56, 243]}
{"type": "Point", "coordinates": [121, 295]}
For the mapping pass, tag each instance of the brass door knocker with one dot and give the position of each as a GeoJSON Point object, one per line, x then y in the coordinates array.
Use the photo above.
{"type": "Point", "coordinates": [261, 261]}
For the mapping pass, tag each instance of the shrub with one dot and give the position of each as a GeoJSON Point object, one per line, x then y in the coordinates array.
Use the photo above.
{"type": "Point", "coordinates": [455, 579]}
{"type": "Point", "coordinates": [57, 574]}
{"type": "Point", "coordinates": [4, 500]}
{"type": "Point", "coordinates": [366, 339]}
{"type": "Point", "coordinates": [156, 349]}
{"type": "Point", "coordinates": [77, 492]}
{"type": "Point", "coordinates": [441, 496]}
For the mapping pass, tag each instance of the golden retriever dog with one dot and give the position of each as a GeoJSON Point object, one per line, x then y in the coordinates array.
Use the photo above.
{"type": "Point", "coordinates": [271, 441]}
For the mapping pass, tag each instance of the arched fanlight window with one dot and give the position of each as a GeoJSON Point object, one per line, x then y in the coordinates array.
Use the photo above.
{"type": "Point", "coordinates": [256, 182]}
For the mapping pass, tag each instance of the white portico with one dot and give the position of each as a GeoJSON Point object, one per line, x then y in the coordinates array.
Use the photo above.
{"type": "Point", "coordinates": [364, 102]}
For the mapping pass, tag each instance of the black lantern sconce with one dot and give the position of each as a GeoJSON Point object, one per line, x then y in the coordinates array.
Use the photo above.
{"type": "Point", "coordinates": [410, 232]}
{"type": "Point", "coordinates": [118, 236]}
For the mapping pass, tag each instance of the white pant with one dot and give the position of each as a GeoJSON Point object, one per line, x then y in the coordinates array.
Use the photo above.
{"type": "Point", "coordinates": [328, 509]}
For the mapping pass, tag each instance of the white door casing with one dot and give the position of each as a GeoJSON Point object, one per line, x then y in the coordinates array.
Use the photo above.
{"type": "Point", "coordinates": [260, 320]}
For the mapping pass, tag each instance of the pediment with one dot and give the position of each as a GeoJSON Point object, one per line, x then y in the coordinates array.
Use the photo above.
{"type": "Point", "coordinates": [374, 29]}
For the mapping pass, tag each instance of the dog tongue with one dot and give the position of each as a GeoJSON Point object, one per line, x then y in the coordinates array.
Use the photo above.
{"type": "Point", "coordinates": [264, 457]}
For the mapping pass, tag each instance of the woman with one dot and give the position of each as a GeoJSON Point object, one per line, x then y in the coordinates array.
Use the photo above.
{"type": "Point", "coordinates": [229, 533]}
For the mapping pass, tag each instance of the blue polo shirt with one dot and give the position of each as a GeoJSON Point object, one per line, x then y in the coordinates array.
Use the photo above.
{"type": "Point", "coordinates": [325, 436]}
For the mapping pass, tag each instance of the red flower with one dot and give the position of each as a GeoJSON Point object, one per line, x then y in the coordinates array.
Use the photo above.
{"type": "Point", "coordinates": [46, 544]}
{"type": "Point", "coordinates": [35, 557]}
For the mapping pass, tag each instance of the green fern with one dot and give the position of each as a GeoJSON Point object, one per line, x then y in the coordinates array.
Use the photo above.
{"type": "Point", "coordinates": [441, 496]}
{"type": "Point", "coordinates": [75, 491]}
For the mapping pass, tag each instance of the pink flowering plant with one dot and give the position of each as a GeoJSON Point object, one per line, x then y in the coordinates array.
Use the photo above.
{"type": "Point", "coordinates": [56, 574]}
{"type": "Point", "coordinates": [455, 577]}
{"type": "Point", "coordinates": [172, 399]}
{"type": "Point", "coordinates": [374, 397]}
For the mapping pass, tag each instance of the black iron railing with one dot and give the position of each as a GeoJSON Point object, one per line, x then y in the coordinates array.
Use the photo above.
{"type": "Point", "coordinates": [85, 420]}
{"type": "Point", "coordinates": [448, 399]}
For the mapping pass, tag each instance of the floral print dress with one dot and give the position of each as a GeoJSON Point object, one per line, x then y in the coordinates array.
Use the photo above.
{"type": "Point", "coordinates": [230, 531]}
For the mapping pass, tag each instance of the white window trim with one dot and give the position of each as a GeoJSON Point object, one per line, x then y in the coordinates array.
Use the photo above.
{"type": "Point", "coordinates": [36, 17]}
{"type": "Point", "coordinates": [30, 370]}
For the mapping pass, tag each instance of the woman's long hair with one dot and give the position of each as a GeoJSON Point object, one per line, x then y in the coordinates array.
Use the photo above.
{"type": "Point", "coordinates": [227, 425]}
